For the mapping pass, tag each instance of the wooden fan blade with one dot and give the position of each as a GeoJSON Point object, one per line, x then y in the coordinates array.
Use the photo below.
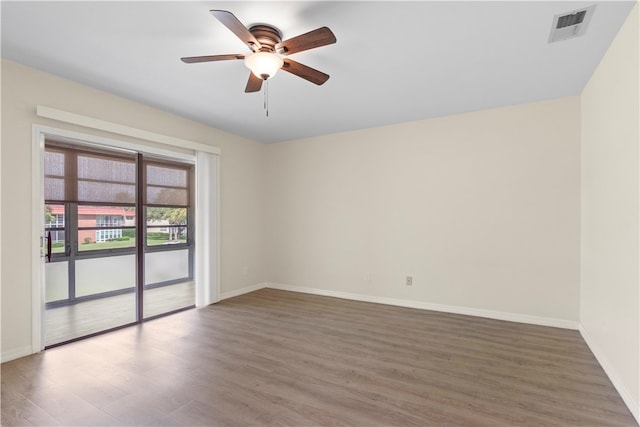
{"type": "Point", "coordinates": [209, 58]}
{"type": "Point", "coordinates": [230, 21]}
{"type": "Point", "coordinates": [307, 73]}
{"type": "Point", "coordinates": [254, 84]}
{"type": "Point", "coordinates": [316, 38]}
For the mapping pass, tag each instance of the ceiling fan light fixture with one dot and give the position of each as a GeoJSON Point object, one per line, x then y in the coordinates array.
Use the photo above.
{"type": "Point", "coordinates": [263, 65]}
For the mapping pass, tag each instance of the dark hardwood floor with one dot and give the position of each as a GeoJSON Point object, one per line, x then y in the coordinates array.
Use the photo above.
{"type": "Point", "coordinates": [281, 358]}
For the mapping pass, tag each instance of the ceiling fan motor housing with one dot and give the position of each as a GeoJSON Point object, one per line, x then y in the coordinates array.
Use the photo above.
{"type": "Point", "coordinates": [267, 36]}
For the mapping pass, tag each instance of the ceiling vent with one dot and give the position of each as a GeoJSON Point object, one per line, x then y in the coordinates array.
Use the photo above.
{"type": "Point", "coordinates": [570, 25]}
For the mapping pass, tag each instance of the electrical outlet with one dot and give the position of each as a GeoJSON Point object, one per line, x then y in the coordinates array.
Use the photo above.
{"type": "Point", "coordinates": [409, 281]}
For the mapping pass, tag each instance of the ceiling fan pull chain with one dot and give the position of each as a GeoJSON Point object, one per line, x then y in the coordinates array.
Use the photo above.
{"type": "Point", "coordinates": [266, 97]}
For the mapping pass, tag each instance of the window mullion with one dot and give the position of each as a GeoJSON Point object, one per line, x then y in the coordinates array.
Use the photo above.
{"type": "Point", "coordinates": [71, 214]}
{"type": "Point", "coordinates": [140, 236]}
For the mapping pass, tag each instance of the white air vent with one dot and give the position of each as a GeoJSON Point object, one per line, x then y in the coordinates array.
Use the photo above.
{"type": "Point", "coordinates": [572, 24]}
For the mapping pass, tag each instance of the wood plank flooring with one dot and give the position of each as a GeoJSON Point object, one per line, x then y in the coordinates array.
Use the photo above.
{"type": "Point", "coordinates": [288, 359]}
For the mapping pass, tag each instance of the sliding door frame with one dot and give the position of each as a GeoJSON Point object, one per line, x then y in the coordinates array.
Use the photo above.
{"type": "Point", "coordinates": [163, 146]}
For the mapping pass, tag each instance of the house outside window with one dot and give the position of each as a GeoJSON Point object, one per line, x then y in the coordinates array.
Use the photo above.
{"type": "Point", "coordinates": [109, 221]}
{"type": "Point", "coordinates": [56, 221]}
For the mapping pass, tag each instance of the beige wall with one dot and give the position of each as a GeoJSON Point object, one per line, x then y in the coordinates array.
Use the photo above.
{"type": "Point", "coordinates": [610, 289]}
{"type": "Point", "coordinates": [482, 209]}
{"type": "Point", "coordinates": [24, 88]}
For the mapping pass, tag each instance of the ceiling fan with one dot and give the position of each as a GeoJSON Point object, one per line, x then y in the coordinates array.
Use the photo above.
{"type": "Point", "coordinates": [269, 52]}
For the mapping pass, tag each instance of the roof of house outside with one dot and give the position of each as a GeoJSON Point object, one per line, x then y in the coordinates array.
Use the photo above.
{"type": "Point", "coordinates": [92, 210]}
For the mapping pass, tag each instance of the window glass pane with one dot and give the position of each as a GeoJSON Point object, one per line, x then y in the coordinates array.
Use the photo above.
{"type": "Point", "coordinates": [106, 216]}
{"type": "Point", "coordinates": [54, 188]}
{"type": "Point", "coordinates": [101, 192]}
{"type": "Point", "coordinates": [166, 291]}
{"type": "Point", "coordinates": [166, 176]}
{"type": "Point", "coordinates": [53, 175]}
{"type": "Point", "coordinates": [54, 163]}
{"type": "Point", "coordinates": [54, 223]}
{"type": "Point", "coordinates": [105, 274]}
{"type": "Point", "coordinates": [166, 265]}
{"type": "Point", "coordinates": [167, 196]}
{"type": "Point", "coordinates": [166, 226]}
{"type": "Point", "coordinates": [107, 169]}
{"type": "Point", "coordinates": [106, 238]}
{"type": "Point", "coordinates": [104, 179]}
{"type": "Point", "coordinates": [105, 230]}
{"type": "Point", "coordinates": [57, 276]}
{"type": "Point", "coordinates": [166, 185]}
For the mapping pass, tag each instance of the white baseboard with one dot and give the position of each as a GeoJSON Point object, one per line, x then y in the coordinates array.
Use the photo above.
{"type": "Point", "coordinates": [15, 353]}
{"type": "Point", "coordinates": [468, 311]}
{"type": "Point", "coordinates": [241, 291]}
{"type": "Point", "coordinates": [634, 406]}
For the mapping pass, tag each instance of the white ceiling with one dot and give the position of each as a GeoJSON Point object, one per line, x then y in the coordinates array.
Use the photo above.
{"type": "Point", "coordinates": [393, 62]}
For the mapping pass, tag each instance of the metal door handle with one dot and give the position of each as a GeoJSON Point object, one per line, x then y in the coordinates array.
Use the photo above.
{"type": "Point", "coordinates": [49, 246]}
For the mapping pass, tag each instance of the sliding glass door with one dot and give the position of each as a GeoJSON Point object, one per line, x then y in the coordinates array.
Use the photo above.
{"type": "Point", "coordinates": [101, 263]}
{"type": "Point", "coordinates": [168, 249]}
